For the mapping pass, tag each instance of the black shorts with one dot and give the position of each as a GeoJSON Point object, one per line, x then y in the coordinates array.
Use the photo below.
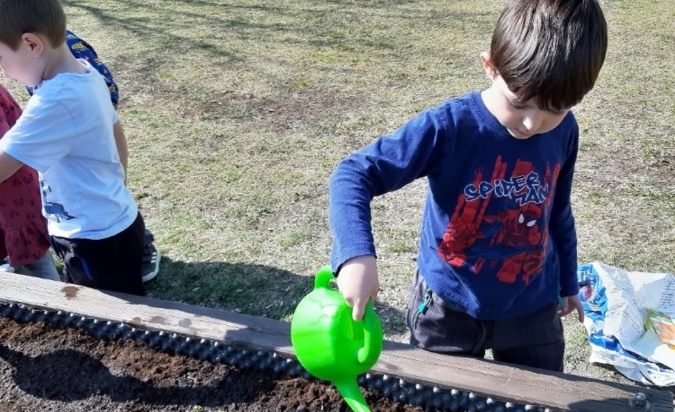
{"type": "Point", "coordinates": [535, 339]}
{"type": "Point", "coordinates": [113, 263]}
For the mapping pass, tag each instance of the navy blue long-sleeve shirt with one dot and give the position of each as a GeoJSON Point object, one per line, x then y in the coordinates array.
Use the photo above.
{"type": "Point", "coordinates": [498, 236]}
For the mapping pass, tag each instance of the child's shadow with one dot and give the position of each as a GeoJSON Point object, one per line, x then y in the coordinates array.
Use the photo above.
{"type": "Point", "coordinates": [69, 375]}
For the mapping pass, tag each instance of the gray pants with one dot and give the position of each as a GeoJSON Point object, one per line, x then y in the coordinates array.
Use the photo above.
{"type": "Point", "coordinates": [42, 268]}
{"type": "Point", "coordinates": [534, 340]}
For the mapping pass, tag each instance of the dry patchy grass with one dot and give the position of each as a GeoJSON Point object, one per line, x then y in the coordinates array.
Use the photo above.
{"type": "Point", "coordinates": [237, 112]}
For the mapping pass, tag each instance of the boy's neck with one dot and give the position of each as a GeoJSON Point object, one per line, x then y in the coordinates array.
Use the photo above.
{"type": "Point", "coordinates": [488, 97]}
{"type": "Point", "coordinates": [60, 60]}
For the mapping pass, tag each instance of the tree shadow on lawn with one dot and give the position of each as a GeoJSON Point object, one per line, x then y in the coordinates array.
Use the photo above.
{"type": "Point", "coordinates": [235, 19]}
{"type": "Point", "coordinates": [252, 289]}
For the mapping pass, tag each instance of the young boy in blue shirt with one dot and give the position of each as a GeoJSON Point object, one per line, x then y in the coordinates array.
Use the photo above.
{"type": "Point", "coordinates": [498, 242]}
{"type": "Point", "coordinates": [66, 134]}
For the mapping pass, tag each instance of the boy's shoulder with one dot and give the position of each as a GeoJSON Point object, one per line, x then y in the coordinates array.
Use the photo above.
{"type": "Point", "coordinates": [456, 109]}
{"type": "Point", "coordinates": [72, 92]}
{"type": "Point", "coordinates": [458, 104]}
{"type": "Point", "coordinates": [568, 124]}
{"type": "Point", "coordinates": [463, 100]}
{"type": "Point", "coordinates": [70, 82]}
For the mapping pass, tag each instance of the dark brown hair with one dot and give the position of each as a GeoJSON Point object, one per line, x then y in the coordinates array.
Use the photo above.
{"type": "Point", "coordinates": [45, 17]}
{"type": "Point", "coordinates": [550, 50]}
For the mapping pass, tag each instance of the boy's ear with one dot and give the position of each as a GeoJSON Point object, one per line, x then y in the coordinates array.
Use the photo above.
{"type": "Point", "coordinates": [489, 68]}
{"type": "Point", "coordinates": [34, 42]}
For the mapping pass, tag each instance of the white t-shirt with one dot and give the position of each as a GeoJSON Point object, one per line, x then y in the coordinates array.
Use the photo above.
{"type": "Point", "coordinates": [66, 134]}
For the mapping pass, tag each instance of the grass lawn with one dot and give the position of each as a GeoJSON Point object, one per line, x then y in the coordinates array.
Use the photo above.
{"type": "Point", "coordinates": [237, 112]}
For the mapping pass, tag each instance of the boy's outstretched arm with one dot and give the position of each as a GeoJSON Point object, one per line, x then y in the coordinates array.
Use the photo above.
{"type": "Point", "coordinates": [8, 166]}
{"type": "Point", "coordinates": [387, 164]}
{"type": "Point", "coordinates": [358, 283]}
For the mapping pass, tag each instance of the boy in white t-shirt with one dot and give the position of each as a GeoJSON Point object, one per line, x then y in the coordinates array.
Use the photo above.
{"type": "Point", "coordinates": [66, 134]}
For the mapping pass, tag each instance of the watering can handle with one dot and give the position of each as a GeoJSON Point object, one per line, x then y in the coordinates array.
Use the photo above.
{"type": "Point", "coordinates": [323, 277]}
{"type": "Point", "coordinates": [369, 325]}
{"type": "Point", "coordinates": [322, 280]}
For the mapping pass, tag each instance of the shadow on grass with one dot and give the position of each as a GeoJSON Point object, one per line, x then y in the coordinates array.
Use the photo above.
{"type": "Point", "coordinates": [52, 376]}
{"type": "Point", "coordinates": [328, 24]}
{"type": "Point", "coordinates": [251, 289]}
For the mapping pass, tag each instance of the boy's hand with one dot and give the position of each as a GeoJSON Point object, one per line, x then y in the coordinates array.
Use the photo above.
{"type": "Point", "coordinates": [571, 303]}
{"type": "Point", "coordinates": [358, 283]}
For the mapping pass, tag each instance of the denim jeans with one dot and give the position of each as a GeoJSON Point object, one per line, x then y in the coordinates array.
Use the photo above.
{"type": "Point", "coordinates": [43, 268]}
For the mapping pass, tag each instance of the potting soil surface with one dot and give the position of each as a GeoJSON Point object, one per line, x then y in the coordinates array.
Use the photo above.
{"type": "Point", "coordinates": [47, 368]}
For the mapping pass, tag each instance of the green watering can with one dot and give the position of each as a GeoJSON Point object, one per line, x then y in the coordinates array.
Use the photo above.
{"type": "Point", "coordinates": [330, 345]}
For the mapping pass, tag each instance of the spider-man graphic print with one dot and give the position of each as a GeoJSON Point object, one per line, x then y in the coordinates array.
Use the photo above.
{"type": "Point", "coordinates": [511, 237]}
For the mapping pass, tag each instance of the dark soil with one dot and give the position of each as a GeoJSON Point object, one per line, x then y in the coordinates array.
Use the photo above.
{"type": "Point", "coordinates": [46, 368]}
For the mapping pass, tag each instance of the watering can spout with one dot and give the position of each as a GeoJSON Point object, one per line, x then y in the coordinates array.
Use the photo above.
{"type": "Point", "coordinates": [350, 391]}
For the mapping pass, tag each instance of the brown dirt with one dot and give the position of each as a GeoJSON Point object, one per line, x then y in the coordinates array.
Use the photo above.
{"type": "Point", "coordinates": [47, 368]}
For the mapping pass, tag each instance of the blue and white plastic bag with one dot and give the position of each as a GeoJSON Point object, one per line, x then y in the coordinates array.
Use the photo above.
{"type": "Point", "coordinates": [616, 303]}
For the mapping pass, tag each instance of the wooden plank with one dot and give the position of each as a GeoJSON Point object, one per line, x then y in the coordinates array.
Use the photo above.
{"type": "Point", "coordinates": [557, 391]}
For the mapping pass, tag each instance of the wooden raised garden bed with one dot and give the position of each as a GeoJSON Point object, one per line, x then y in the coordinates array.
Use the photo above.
{"type": "Point", "coordinates": [403, 373]}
